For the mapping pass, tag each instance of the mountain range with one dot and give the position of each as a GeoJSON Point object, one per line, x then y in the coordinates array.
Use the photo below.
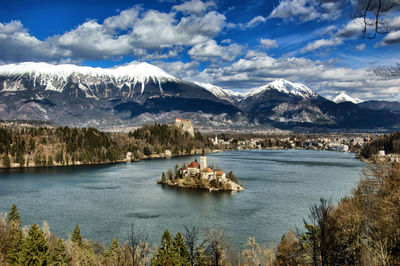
{"type": "Point", "coordinates": [139, 93]}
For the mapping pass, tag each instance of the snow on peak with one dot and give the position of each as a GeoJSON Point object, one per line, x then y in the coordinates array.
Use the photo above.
{"type": "Point", "coordinates": [221, 93]}
{"type": "Point", "coordinates": [343, 97]}
{"type": "Point", "coordinates": [132, 73]}
{"type": "Point", "coordinates": [141, 71]}
{"type": "Point", "coordinates": [284, 86]}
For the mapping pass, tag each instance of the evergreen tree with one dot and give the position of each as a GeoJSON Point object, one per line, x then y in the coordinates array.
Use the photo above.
{"type": "Point", "coordinates": [6, 161]}
{"type": "Point", "coordinates": [13, 215]}
{"type": "Point", "coordinates": [114, 252]}
{"type": "Point", "coordinates": [50, 160]}
{"type": "Point", "coordinates": [76, 236]}
{"type": "Point", "coordinates": [20, 159]}
{"type": "Point", "coordinates": [163, 177]}
{"type": "Point", "coordinates": [181, 249]}
{"type": "Point", "coordinates": [14, 253]}
{"type": "Point", "coordinates": [166, 254]}
{"type": "Point", "coordinates": [38, 159]}
{"type": "Point", "coordinates": [59, 255]}
{"type": "Point", "coordinates": [35, 248]}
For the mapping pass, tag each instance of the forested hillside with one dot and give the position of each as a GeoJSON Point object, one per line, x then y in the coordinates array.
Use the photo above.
{"type": "Point", "coordinates": [46, 146]}
{"type": "Point", "coordinates": [389, 143]}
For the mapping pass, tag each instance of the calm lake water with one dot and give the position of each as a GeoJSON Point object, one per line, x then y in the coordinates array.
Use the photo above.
{"type": "Point", "coordinates": [105, 200]}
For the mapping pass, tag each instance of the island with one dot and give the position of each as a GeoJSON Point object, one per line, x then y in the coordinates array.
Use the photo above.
{"type": "Point", "coordinates": [200, 176]}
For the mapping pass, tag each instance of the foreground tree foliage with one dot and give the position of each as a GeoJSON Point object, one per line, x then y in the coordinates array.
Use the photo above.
{"type": "Point", "coordinates": [45, 146]}
{"type": "Point", "coordinates": [362, 229]}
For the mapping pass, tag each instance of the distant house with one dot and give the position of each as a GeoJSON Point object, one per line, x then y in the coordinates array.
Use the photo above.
{"type": "Point", "coordinates": [381, 153]}
{"type": "Point", "coordinates": [220, 175]}
{"type": "Point", "coordinates": [207, 173]}
{"type": "Point", "coordinates": [193, 168]}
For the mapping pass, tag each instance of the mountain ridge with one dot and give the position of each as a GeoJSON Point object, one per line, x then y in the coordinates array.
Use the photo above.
{"type": "Point", "coordinates": [343, 97]}
{"type": "Point", "coordinates": [139, 93]}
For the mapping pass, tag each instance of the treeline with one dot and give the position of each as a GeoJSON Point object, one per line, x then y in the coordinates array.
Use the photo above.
{"type": "Point", "coordinates": [36, 245]}
{"type": "Point", "coordinates": [164, 136]}
{"type": "Point", "coordinates": [388, 143]}
{"type": "Point", "coordinates": [45, 146]}
{"type": "Point", "coordinates": [362, 229]}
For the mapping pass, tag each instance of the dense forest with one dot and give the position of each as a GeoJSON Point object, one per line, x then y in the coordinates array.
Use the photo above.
{"type": "Point", "coordinates": [362, 229]}
{"type": "Point", "coordinates": [47, 146]}
{"type": "Point", "coordinates": [388, 143]}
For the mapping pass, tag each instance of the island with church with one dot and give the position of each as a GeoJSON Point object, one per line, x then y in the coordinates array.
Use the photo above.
{"type": "Point", "coordinates": [200, 176]}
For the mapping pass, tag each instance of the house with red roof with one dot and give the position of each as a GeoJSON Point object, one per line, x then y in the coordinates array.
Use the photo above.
{"type": "Point", "coordinates": [193, 168]}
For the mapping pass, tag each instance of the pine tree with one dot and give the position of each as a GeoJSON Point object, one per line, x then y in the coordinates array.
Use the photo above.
{"type": "Point", "coordinates": [50, 160]}
{"type": "Point", "coordinates": [76, 236]}
{"type": "Point", "coordinates": [35, 248]}
{"type": "Point", "coordinates": [59, 255]}
{"type": "Point", "coordinates": [13, 215]}
{"type": "Point", "coordinates": [6, 161]}
{"type": "Point", "coordinates": [14, 253]}
{"type": "Point", "coordinates": [114, 252]}
{"type": "Point", "coordinates": [166, 254]}
{"type": "Point", "coordinates": [20, 159]}
{"type": "Point", "coordinates": [181, 249]}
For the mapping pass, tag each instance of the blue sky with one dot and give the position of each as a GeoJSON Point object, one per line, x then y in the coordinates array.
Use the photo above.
{"type": "Point", "coordinates": [237, 45]}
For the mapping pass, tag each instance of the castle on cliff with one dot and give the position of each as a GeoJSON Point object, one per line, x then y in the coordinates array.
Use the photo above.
{"type": "Point", "coordinates": [185, 125]}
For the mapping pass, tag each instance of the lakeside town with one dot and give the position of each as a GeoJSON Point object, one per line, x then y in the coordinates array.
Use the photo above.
{"type": "Point", "coordinates": [47, 145]}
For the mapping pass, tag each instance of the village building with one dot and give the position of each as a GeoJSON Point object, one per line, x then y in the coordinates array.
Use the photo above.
{"type": "Point", "coordinates": [193, 168]}
{"type": "Point", "coordinates": [207, 173]}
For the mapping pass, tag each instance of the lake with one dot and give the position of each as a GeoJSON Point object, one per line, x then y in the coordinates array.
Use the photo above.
{"type": "Point", "coordinates": [105, 200]}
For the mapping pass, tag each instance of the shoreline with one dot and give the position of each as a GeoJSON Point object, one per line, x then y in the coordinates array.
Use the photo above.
{"type": "Point", "coordinates": [155, 157]}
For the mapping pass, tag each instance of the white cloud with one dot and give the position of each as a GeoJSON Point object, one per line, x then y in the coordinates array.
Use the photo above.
{"type": "Point", "coordinates": [360, 47]}
{"type": "Point", "coordinates": [180, 69]}
{"type": "Point", "coordinates": [391, 38]}
{"type": "Point", "coordinates": [93, 41]}
{"type": "Point", "coordinates": [194, 7]}
{"type": "Point", "coordinates": [268, 43]}
{"type": "Point", "coordinates": [257, 68]}
{"type": "Point", "coordinates": [16, 44]}
{"type": "Point", "coordinates": [146, 34]}
{"type": "Point", "coordinates": [312, 46]}
{"type": "Point", "coordinates": [352, 28]}
{"type": "Point", "coordinates": [254, 22]}
{"type": "Point", "coordinates": [210, 49]}
{"type": "Point", "coordinates": [124, 20]}
{"type": "Point", "coordinates": [306, 10]}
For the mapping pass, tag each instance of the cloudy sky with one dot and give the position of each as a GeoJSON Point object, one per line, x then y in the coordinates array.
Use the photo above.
{"type": "Point", "coordinates": [233, 44]}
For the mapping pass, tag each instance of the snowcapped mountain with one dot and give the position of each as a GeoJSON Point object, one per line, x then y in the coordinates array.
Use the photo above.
{"type": "Point", "coordinates": [139, 93]}
{"type": "Point", "coordinates": [56, 77]}
{"type": "Point", "coordinates": [343, 97]}
{"type": "Point", "coordinates": [132, 94]}
{"type": "Point", "coordinates": [283, 86]}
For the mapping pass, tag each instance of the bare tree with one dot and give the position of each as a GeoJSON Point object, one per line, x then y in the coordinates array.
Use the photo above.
{"type": "Point", "coordinates": [373, 14]}
{"type": "Point", "coordinates": [391, 71]}
{"type": "Point", "coordinates": [375, 21]}
{"type": "Point", "coordinates": [138, 245]}
{"type": "Point", "coordinates": [218, 247]}
{"type": "Point", "coordinates": [191, 236]}
{"type": "Point", "coordinates": [321, 215]}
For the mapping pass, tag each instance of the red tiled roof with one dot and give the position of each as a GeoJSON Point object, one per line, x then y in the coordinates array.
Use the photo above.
{"type": "Point", "coordinates": [207, 170]}
{"type": "Point", "coordinates": [219, 173]}
{"type": "Point", "coordinates": [194, 165]}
